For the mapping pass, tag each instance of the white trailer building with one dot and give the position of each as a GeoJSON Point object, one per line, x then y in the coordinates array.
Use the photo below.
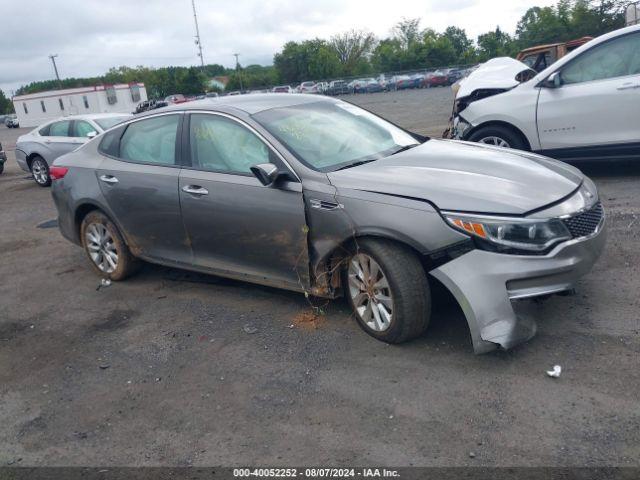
{"type": "Point", "coordinates": [36, 108]}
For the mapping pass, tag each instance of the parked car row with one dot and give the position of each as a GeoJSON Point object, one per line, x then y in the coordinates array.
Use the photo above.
{"type": "Point", "coordinates": [438, 78]}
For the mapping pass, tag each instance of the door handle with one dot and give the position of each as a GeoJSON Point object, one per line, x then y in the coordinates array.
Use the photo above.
{"type": "Point", "coordinates": [629, 86]}
{"type": "Point", "coordinates": [108, 179]}
{"type": "Point", "coordinates": [47, 141]}
{"type": "Point", "coordinates": [195, 190]}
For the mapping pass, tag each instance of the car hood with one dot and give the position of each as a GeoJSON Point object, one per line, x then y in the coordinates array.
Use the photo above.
{"type": "Point", "coordinates": [497, 73]}
{"type": "Point", "coordinates": [466, 177]}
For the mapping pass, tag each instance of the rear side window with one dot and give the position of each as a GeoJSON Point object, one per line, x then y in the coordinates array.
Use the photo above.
{"type": "Point", "coordinates": [59, 129]}
{"type": "Point", "coordinates": [151, 140]}
{"type": "Point", "coordinates": [110, 143]}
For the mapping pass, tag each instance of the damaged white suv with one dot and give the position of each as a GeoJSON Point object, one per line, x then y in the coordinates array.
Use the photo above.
{"type": "Point", "coordinates": [584, 106]}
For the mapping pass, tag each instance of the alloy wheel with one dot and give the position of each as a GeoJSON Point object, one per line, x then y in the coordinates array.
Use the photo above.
{"type": "Point", "coordinates": [370, 292]}
{"type": "Point", "coordinates": [101, 247]}
{"type": "Point", "coordinates": [495, 141]}
{"type": "Point", "coordinates": [40, 171]}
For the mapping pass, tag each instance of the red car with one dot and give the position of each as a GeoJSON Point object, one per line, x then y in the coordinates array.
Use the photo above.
{"type": "Point", "coordinates": [435, 79]}
{"type": "Point", "coordinates": [177, 98]}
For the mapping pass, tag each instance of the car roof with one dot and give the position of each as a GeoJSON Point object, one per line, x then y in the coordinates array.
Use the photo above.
{"type": "Point", "coordinates": [250, 103]}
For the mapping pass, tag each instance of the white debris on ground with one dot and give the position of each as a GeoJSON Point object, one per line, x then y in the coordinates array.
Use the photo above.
{"type": "Point", "coordinates": [555, 373]}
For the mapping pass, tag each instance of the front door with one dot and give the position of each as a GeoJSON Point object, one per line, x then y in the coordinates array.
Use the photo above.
{"type": "Point", "coordinates": [140, 183]}
{"type": "Point", "coordinates": [598, 102]}
{"type": "Point", "coordinates": [235, 224]}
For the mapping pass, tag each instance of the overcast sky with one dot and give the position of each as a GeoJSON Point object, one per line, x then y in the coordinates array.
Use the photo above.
{"type": "Point", "coordinates": [90, 36]}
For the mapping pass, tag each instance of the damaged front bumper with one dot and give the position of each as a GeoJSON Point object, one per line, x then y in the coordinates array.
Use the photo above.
{"type": "Point", "coordinates": [487, 284]}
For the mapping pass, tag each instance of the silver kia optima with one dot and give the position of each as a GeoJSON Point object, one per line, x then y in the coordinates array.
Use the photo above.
{"type": "Point", "coordinates": [319, 196]}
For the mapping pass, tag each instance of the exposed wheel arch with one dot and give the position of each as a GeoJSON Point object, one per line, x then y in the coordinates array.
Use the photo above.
{"type": "Point", "coordinates": [32, 156]}
{"type": "Point", "coordinates": [498, 123]}
{"type": "Point", "coordinates": [81, 212]}
{"type": "Point", "coordinates": [328, 271]}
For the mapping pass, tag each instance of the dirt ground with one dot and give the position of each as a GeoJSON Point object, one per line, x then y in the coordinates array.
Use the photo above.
{"type": "Point", "coordinates": [173, 368]}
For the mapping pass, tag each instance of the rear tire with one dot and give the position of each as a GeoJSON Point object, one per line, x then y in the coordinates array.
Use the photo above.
{"type": "Point", "coordinates": [498, 136]}
{"type": "Point", "coordinates": [108, 253]}
{"type": "Point", "coordinates": [40, 171]}
{"type": "Point", "coordinates": [388, 290]}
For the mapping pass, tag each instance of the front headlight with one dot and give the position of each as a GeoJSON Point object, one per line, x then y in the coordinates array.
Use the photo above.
{"type": "Point", "coordinates": [511, 233]}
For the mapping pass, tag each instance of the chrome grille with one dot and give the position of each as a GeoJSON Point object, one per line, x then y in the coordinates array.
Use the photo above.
{"type": "Point", "coordinates": [585, 223]}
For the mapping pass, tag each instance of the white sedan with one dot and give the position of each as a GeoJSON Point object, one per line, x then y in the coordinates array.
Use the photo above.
{"type": "Point", "coordinates": [36, 150]}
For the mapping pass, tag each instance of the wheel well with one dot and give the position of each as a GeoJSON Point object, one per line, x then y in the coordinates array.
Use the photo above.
{"type": "Point", "coordinates": [81, 212]}
{"type": "Point", "coordinates": [31, 156]}
{"type": "Point", "coordinates": [328, 272]}
{"type": "Point", "coordinates": [497, 123]}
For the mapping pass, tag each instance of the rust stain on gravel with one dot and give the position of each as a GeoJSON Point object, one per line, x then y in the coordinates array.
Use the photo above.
{"type": "Point", "coordinates": [308, 320]}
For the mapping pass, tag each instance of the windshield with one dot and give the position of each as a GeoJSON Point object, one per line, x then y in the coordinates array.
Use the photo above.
{"type": "Point", "coordinates": [107, 123]}
{"type": "Point", "coordinates": [328, 136]}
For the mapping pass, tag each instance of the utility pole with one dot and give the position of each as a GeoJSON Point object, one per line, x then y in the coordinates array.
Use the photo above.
{"type": "Point", "coordinates": [238, 70]}
{"type": "Point", "coordinates": [198, 42]}
{"type": "Point", "coordinates": [53, 59]}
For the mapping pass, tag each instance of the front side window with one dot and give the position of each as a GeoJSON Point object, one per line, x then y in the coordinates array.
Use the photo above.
{"type": "Point", "coordinates": [329, 136]}
{"type": "Point", "coordinates": [59, 129]}
{"type": "Point", "coordinates": [616, 58]}
{"type": "Point", "coordinates": [151, 141]}
{"type": "Point", "coordinates": [82, 128]}
{"type": "Point", "coordinates": [219, 144]}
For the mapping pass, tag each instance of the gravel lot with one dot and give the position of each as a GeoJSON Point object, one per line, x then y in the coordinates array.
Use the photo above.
{"type": "Point", "coordinates": [173, 368]}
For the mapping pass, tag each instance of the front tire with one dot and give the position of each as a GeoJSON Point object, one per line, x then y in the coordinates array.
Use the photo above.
{"type": "Point", "coordinates": [388, 291]}
{"type": "Point", "coordinates": [498, 136]}
{"type": "Point", "coordinates": [40, 171]}
{"type": "Point", "coordinates": [102, 242]}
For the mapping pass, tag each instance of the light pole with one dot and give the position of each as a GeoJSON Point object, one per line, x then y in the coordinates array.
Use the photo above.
{"type": "Point", "coordinates": [198, 42]}
{"type": "Point", "coordinates": [238, 70]}
{"type": "Point", "coordinates": [55, 67]}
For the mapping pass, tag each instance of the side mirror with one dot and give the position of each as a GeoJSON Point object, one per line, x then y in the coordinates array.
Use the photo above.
{"type": "Point", "coordinates": [553, 81]}
{"type": "Point", "coordinates": [267, 173]}
{"type": "Point", "coordinates": [92, 134]}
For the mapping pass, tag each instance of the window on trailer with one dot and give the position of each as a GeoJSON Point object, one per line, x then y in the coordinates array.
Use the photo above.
{"type": "Point", "coordinates": [42, 105]}
{"type": "Point", "coordinates": [86, 101]}
{"type": "Point", "coordinates": [111, 94]}
{"type": "Point", "coordinates": [61, 104]}
{"type": "Point", "coordinates": [135, 93]}
{"type": "Point", "coordinates": [24, 105]}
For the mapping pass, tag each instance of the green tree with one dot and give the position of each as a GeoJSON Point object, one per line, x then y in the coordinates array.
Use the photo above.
{"type": "Point", "coordinates": [6, 105]}
{"type": "Point", "coordinates": [496, 44]}
{"type": "Point", "coordinates": [462, 45]}
{"type": "Point", "coordinates": [353, 49]}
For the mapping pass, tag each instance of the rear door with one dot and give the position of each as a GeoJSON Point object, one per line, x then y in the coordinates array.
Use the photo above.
{"type": "Point", "coordinates": [139, 179]}
{"type": "Point", "coordinates": [236, 224]}
{"type": "Point", "coordinates": [597, 107]}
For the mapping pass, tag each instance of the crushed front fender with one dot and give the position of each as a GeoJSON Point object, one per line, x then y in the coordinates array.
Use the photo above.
{"type": "Point", "coordinates": [486, 285]}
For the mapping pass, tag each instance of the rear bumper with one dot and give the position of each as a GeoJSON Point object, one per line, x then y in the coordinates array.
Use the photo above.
{"type": "Point", "coordinates": [21, 160]}
{"type": "Point", "coordinates": [488, 285]}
